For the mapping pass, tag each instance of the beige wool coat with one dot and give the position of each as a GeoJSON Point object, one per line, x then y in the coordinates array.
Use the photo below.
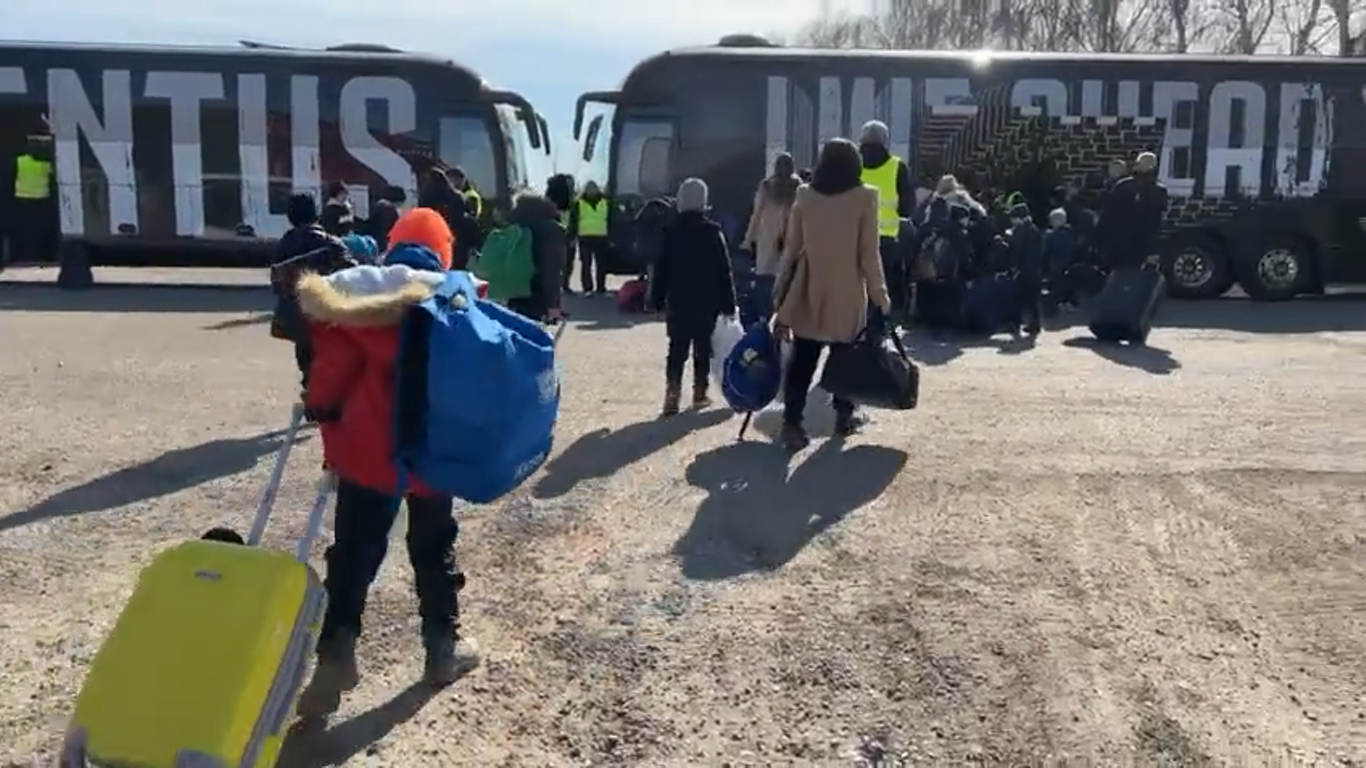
{"type": "Point", "coordinates": [767, 224]}
{"type": "Point", "coordinates": [830, 267]}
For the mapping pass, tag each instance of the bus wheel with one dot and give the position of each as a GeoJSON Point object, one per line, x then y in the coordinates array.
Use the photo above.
{"type": "Point", "coordinates": [1197, 267]}
{"type": "Point", "coordinates": [1278, 270]}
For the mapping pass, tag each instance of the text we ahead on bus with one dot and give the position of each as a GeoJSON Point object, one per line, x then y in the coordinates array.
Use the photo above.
{"type": "Point", "coordinates": [1267, 180]}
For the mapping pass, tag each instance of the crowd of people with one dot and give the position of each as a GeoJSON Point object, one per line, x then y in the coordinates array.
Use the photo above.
{"type": "Point", "coordinates": [851, 245]}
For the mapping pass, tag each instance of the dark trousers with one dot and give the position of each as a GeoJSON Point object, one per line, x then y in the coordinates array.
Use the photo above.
{"type": "Point", "coordinates": [303, 357]}
{"type": "Point", "coordinates": [1028, 296]}
{"type": "Point", "coordinates": [894, 268]}
{"type": "Point", "coordinates": [806, 357]}
{"type": "Point", "coordinates": [363, 520]}
{"type": "Point", "coordinates": [592, 263]}
{"type": "Point", "coordinates": [33, 231]}
{"type": "Point", "coordinates": [570, 246]}
{"type": "Point", "coordinates": [679, 346]}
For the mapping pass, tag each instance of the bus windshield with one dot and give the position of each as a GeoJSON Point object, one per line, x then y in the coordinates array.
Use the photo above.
{"type": "Point", "coordinates": [467, 143]}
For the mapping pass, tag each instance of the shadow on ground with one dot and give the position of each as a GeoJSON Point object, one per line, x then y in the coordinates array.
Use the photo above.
{"type": "Point", "coordinates": [131, 297]}
{"type": "Point", "coordinates": [935, 348]}
{"type": "Point", "coordinates": [170, 472]}
{"type": "Point", "coordinates": [307, 747]}
{"type": "Point", "coordinates": [261, 318]}
{"type": "Point", "coordinates": [600, 313]}
{"type": "Point", "coordinates": [1154, 360]}
{"type": "Point", "coordinates": [602, 452]}
{"type": "Point", "coordinates": [757, 516]}
{"type": "Point", "coordinates": [1308, 314]}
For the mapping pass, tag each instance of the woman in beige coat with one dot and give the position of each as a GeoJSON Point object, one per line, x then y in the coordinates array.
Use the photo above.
{"type": "Point", "coordinates": [768, 222]}
{"type": "Point", "coordinates": [830, 273]}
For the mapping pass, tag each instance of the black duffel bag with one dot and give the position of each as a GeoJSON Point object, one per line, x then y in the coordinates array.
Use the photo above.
{"type": "Point", "coordinates": [869, 373]}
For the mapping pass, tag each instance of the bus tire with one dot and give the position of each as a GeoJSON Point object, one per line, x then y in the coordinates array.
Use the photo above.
{"type": "Point", "coordinates": [1197, 266]}
{"type": "Point", "coordinates": [1279, 269]}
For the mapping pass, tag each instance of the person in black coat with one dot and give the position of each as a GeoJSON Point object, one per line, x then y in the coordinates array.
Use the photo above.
{"type": "Point", "coordinates": [306, 247]}
{"type": "Point", "coordinates": [1130, 223]}
{"type": "Point", "coordinates": [1028, 259]}
{"type": "Point", "coordinates": [694, 286]}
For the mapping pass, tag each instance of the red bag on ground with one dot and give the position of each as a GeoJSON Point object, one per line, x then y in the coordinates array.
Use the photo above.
{"type": "Point", "coordinates": [631, 296]}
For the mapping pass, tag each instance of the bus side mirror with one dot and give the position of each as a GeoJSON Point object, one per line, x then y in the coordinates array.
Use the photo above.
{"type": "Point", "coordinates": [590, 141]}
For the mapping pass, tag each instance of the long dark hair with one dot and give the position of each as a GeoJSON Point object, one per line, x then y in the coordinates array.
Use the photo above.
{"type": "Point", "coordinates": [838, 169]}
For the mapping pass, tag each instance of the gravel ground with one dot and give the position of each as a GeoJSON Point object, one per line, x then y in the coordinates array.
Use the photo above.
{"type": "Point", "coordinates": [1068, 553]}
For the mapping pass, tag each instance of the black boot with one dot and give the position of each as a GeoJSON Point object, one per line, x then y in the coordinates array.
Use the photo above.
{"type": "Point", "coordinates": [336, 674]}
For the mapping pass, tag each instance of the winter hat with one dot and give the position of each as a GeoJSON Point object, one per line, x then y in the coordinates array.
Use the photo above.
{"type": "Point", "coordinates": [692, 195]}
{"type": "Point", "coordinates": [1057, 217]}
{"type": "Point", "coordinates": [424, 227]}
{"type": "Point", "coordinates": [874, 132]}
{"type": "Point", "coordinates": [1146, 161]}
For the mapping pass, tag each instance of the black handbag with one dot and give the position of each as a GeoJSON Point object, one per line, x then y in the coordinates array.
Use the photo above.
{"type": "Point", "coordinates": [866, 372]}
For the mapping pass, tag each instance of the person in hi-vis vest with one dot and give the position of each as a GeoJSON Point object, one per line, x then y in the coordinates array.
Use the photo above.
{"type": "Point", "coordinates": [32, 216]}
{"type": "Point", "coordinates": [588, 224]}
{"type": "Point", "coordinates": [896, 200]}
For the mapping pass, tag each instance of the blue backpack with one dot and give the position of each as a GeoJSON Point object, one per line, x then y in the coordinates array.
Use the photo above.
{"type": "Point", "coordinates": [752, 373]}
{"type": "Point", "coordinates": [478, 394]}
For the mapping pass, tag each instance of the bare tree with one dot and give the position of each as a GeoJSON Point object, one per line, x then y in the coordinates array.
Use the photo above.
{"type": "Point", "coordinates": [1344, 15]}
{"type": "Point", "coordinates": [1245, 23]}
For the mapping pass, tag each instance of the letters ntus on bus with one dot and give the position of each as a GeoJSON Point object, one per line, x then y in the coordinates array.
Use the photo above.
{"type": "Point", "coordinates": [196, 154]}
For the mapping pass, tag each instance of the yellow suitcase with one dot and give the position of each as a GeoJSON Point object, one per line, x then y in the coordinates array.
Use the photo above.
{"type": "Point", "coordinates": [205, 664]}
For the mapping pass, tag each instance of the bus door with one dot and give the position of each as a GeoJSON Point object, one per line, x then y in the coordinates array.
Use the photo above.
{"type": "Point", "coordinates": [1346, 184]}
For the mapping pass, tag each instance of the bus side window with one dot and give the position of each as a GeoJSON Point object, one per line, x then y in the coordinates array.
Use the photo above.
{"type": "Point", "coordinates": [467, 144]}
{"type": "Point", "coordinates": [645, 159]}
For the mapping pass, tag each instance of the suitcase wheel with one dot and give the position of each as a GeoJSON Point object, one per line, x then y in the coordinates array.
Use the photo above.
{"type": "Point", "coordinates": [226, 535]}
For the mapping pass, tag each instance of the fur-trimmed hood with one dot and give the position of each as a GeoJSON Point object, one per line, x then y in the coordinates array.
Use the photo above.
{"type": "Point", "coordinates": [365, 297]}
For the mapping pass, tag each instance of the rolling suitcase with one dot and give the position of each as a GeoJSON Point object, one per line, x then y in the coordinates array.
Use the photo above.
{"type": "Point", "coordinates": [205, 663]}
{"type": "Point", "coordinates": [1126, 306]}
{"type": "Point", "coordinates": [990, 303]}
{"type": "Point", "coordinates": [939, 303]}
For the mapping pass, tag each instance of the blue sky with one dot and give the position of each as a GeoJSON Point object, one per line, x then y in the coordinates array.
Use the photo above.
{"type": "Point", "coordinates": [549, 50]}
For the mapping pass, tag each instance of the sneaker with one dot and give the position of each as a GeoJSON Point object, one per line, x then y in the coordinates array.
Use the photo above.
{"type": "Point", "coordinates": [672, 395]}
{"type": "Point", "coordinates": [847, 424]}
{"type": "Point", "coordinates": [794, 437]}
{"type": "Point", "coordinates": [700, 396]}
{"type": "Point", "coordinates": [449, 660]}
{"type": "Point", "coordinates": [336, 674]}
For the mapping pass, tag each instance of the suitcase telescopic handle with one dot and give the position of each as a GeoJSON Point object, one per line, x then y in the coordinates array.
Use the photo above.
{"type": "Point", "coordinates": [326, 486]}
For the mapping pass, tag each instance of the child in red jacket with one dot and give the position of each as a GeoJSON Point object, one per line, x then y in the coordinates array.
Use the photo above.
{"type": "Point", "coordinates": [354, 320]}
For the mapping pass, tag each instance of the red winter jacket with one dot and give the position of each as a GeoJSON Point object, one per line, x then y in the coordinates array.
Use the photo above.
{"type": "Point", "coordinates": [354, 317]}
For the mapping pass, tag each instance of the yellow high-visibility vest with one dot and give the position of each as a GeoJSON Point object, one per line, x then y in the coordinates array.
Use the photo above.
{"type": "Point", "coordinates": [883, 178]}
{"type": "Point", "coordinates": [593, 218]}
{"type": "Point", "coordinates": [475, 201]}
{"type": "Point", "coordinates": [32, 178]}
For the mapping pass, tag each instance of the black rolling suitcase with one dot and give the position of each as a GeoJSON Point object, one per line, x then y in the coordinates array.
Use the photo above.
{"type": "Point", "coordinates": [1126, 306]}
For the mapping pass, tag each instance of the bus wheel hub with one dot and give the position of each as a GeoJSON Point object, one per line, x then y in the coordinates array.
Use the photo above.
{"type": "Point", "coordinates": [1192, 269]}
{"type": "Point", "coordinates": [1278, 268]}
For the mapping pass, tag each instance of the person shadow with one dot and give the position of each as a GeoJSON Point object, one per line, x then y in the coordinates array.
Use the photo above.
{"type": "Point", "coordinates": [1153, 360]}
{"type": "Point", "coordinates": [310, 744]}
{"type": "Point", "coordinates": [168, 473]}
{"type": "Point", "coordinates": [759, 513]}
{"type": "Point", "coordinates": [603, 452]}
